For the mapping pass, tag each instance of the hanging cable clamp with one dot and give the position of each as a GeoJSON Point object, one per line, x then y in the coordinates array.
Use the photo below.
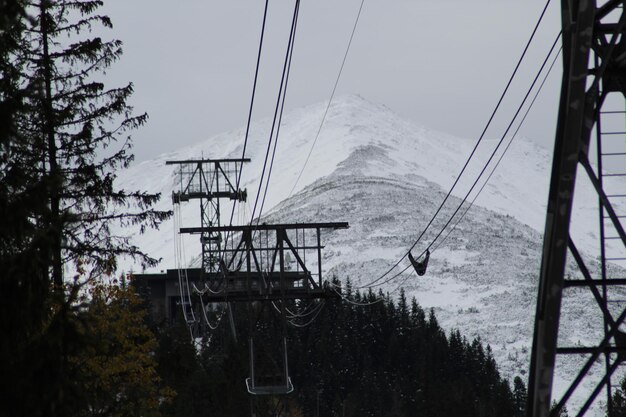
{"type": "Point", "coordinates": [420, 266]}
{"type": "Point", "coordinates": [240, 195]}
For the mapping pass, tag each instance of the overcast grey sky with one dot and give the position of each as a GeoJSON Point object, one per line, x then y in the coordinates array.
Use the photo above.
{"type": "Point", "coordinates": [441, 63]}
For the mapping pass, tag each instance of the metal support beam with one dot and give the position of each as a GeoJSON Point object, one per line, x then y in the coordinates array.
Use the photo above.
{"type": "Point", "coordinates": [587, 29]}
{"type": "Point", "coordinates": [576, 37]}
{"type": "Point", "coordinates": [260, 227]}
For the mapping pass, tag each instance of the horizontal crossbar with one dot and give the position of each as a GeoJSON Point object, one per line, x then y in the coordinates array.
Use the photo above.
{"type": "Point", "coordinates": [268, 249]}
{"type": "Point", "coordinates": [569, 283]}
{"type": "Point", "coordinates": [582, 350]}
{"type": "Point", "coordinates": [250, 227]}
{"type": "Point", "coordinates": [242, 295]}
{"type": "Point", "coordinates": [204, 161]}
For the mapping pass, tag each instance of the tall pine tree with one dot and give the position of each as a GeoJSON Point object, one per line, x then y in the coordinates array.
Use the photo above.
{"type": "Point", "coordinates": [79, 131]}
{"type": "Point", "coordinates": [24, 279]}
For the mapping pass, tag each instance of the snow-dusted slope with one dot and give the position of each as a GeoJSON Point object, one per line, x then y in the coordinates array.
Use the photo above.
{"type": "Point", "coordinates": [518, 188]}
{"type": "Point", "coordinates": [386, 177]}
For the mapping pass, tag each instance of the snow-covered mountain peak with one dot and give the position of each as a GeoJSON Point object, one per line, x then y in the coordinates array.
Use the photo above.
{"type": "Point", "coordinates": [374, 141]}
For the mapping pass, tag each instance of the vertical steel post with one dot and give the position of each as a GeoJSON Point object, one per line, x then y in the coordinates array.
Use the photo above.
{"type": "Point", "coordinates": [319, 258]}
{"type": "Point", "coordinates": [577, 20]}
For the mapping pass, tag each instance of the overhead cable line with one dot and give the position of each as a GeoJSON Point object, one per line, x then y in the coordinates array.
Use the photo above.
{"type": "Point", "coordinates": [291, 315]}
{"type": "Point", "coordinates": [330, 100]}
{"type": "Point", "coordinates": [245, 142]}
{"type": "Point", "coordinates": [318, 310]}
{"type": "Point", "coordinates": [545, 61]}
{"type": "Point", "coordinates": [249, 121]}
{"type": "Point", "coordinates": [304, 313]}
{"type": "Point", "coordinates": [206, 318]}
{"type": "Point", "coordinates": [281, 93]}
{"type": "Point", "coordinates": [356, 303]}
{"type": "Point", "coordinates": [482, 171]}
{"type": "Point", "coordinates": [254, 84]}
{"type": "Point", "coordinates": [530, 106]}
{"type": "Point", "coordinates": [180, 257]}
{"type": "Point", "coordinates": [501, 156]}
{"type": "Point", "coordinates": [482, 135]}
{"type": "Point", "coordinates": [280, 103]}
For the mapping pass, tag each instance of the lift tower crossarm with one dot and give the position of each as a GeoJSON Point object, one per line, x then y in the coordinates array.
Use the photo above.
{"type": "Point", "coordinates": [286, 226]}
{"type": "Point", "coordinates": [206, 161]}
{"type": "Point", "coordinates": [269, 262]}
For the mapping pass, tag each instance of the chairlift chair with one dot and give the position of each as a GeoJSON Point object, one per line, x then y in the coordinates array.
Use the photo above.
{"type": "Point", "coordinates": [274, 381]}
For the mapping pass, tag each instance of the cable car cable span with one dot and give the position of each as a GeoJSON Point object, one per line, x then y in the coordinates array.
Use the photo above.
{"type": "Point", "coordinates": [278, 114]}
{"type": "Point", "coordinates": [278, 102]}
{"type": "Point", "coordinates": [374, 284]}
{"type": "Point", "coordinates": [502, 155]}
{"type": "Point", "coordinates": [332, 95]}
{"type": "Point", "coordinates": [249, 121]}
{"type": "Point", "coordinates": [517, 112]}
{"type": "Point", "coordinates": [482, 135]}
{"type": "Point", "coordinates": [401, 284]}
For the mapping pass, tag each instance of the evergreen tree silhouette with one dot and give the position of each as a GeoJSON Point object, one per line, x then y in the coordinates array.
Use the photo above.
{"type": "Point", "coordinates": [63, 136]}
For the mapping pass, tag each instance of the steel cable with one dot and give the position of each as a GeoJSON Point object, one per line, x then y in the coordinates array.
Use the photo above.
{"type": "Point", "coordinates": [502, 155]}
{"type": "Point", "coordinates": [249, 121]}
{"type": "Point", "coordinates": [278, 108]}
{"type": "Point", "coordinates": [374, 284]}
{"type": "Point", "coordinates": [332, 95]}
{"type": "Point", "coordinates": [491, 117]}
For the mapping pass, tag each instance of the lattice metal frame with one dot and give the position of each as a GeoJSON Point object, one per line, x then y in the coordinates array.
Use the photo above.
{"type": "Point", "coordinates": [209, 181]}
{"type": "Point", "coordinates": [269, 262]}
{"type": "Point", "coordinates": [594, 64]}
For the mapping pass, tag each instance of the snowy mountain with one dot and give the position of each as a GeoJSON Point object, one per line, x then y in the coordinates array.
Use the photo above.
{"type": "Point", "coordinates": [386, 176]}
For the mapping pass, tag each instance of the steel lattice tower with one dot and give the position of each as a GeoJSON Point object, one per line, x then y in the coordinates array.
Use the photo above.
{"type": "Point", "coordinates": [209, 181]}
{"type": "Point", "coordinates": [592, 91]}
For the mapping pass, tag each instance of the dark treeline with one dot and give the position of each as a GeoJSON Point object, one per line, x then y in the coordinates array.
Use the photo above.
{"type": "Point", "coordinates": [393, 359]}
{"type": "Point", "coordinates": [389, 358]}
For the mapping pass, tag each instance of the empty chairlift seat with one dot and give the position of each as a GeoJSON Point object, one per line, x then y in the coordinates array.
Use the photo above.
{"type": "Point", "coordinates": [268, 376]}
